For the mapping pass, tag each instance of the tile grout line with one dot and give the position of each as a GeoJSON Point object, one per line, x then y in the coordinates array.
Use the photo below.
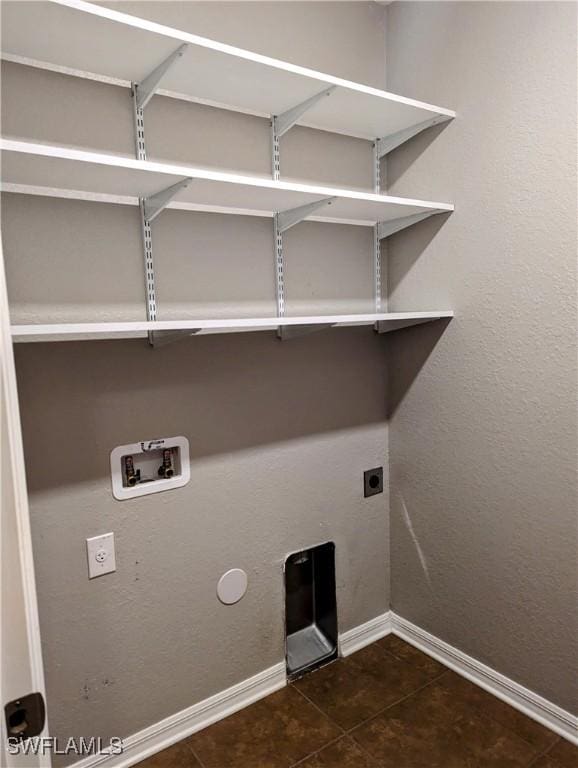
{"type": "Point", "coordinates": [331, 720]}
{"type": "Point", "coordinates": [494, 720]}
{"type": "Point", "coordinates": [391, 655]}
{"type": "Point", "coordinates": [317, 751]}
{"type": "Point", "coordinates": [344, 733]}
{"type": "Point", "coordinates": [479, 712]}
{"type": "Point", "coordinates": [397, 701]}
{"type": "Point", "coordinates": [195, 755]}
{"type": "Point", "coordinates": [544, 753]}
{"type": "Point", "coordinates": [348, 732]}
{"type": "Point", "coordinates": [329, 743]}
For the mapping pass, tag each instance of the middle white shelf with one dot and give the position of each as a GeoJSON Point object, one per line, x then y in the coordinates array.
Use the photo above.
{"type": "Point", "coordinates": [49, 169]}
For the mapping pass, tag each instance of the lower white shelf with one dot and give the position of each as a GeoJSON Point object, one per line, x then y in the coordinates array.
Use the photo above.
{"type": "Point", "coordinates": [384, 322]}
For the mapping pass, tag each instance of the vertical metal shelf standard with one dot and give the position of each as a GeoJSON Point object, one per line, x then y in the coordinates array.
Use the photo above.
{"type": "Point", "coordinates": [150, 207]}
{"type": "Point", "coordinates": [282, 221]}
{"type": "Point", "coordinates": [381, 147]}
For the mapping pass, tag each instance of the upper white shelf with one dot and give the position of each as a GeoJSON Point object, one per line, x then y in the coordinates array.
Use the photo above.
{"type": "Point", "coordinates": [95, 40]}
{"type": "Point", "coordinates": [79, 173]}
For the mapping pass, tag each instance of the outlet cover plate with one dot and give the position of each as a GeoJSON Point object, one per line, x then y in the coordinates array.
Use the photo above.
{"type": "Point", "coordinates": [373, 481]}
{"type": "Point", "coordinates": [101, 555]}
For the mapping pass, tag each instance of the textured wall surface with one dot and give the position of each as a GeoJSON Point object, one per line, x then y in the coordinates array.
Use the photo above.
{"type": "Point", "coordinates": [484, 416]}
{"type": "Point", "coordinates": [280, 433]}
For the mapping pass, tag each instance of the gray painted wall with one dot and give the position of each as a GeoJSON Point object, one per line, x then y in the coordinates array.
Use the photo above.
{"type": "Point", "coordinates": [483, 428]}
{"type": "Point", "coordinates": [280, 433]}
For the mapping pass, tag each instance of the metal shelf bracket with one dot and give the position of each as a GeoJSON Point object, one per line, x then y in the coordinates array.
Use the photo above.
{"type": "Point", "coordinates": [145, 90]}
{"type": "Point", "coordinates": [386, 228]}
{"type": "Point", "coordinates": [162, 338]}
{"type": "Point", "coordinates": [282, 221]}
{"type": "Point", "coordinates": [392, 325]}
{"type": "Point", "coordinates": [380, 231]}
{"type": "Point", "coordinates": [381, 147]}
{"type": "Point", "coordinates": [288, 219]}
{"type": "Point", "coordinates": [154, 204]}
{"type": "Point", "coordinates": [388, 143]}
{"type": "Point", "coordinates": [150, 207]}
{"type": "Point", "coordinates": [282, 123]}
{"type": "Point", "coordinates": [287, 332]}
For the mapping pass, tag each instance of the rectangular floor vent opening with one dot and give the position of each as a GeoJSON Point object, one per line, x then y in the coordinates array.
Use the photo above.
{"type": "Point", "coordinates": [310, 609]}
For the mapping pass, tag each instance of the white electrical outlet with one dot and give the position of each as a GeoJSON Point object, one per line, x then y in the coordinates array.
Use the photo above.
{"type": "Point", "coordinates": [101, 557]}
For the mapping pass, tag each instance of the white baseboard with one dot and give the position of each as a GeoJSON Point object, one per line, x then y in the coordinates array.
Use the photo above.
{"type": "Point", "coordinates": [531, 704]}
{"type": "Point", "coordinates": [166, 732]}
{"type": "Point", "coordinates": [357, 638]}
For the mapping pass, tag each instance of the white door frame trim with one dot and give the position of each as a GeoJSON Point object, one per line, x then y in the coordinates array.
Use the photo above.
{"type": "Point", "coordinates": [16, 451]}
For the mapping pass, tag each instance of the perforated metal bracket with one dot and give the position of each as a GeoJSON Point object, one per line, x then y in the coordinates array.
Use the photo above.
{"type": "Point", "coordinates": [279, 267]}
{"type": "Point", "coordinates": [386, 228]}
{"type": "Point", "coordinates": [287, 119]}
{"type": "Point", "coordinates": [376, 168]}
{"type": "Point", "coordinates": [149, 270]}
{"type": "Point", "coordinates": [282, 221]}
{"type": "Point", "coordinates": [286, 332]}
{"type": "Point", "coordinates": [156, 203]}
{"type": "Point", "coordinates": [288, 219]}
{"type": "Point", "coordinates": [382, 146]}
{"type": "Point", "coordinates": [377, 269]}
{"type": "Point", "coordinates": [162, 338]}
{"type": "Point", "coordinates": [143, 92]}
{"type": "Point", "coordinates": [150, 207]}
{"type": "Point", "coordinates": [139, 128]}
{"type": "Point", "coordinates": [282, 123]}
{"type": "Point", "coordinates": [388, 143]}
{"type": "Point", "coordinates": [392, 325]}
{"type": "Point", "coordinates": [380, 231]}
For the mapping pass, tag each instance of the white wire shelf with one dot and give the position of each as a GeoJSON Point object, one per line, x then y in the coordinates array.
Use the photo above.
{"type": "Point", "coordinates": [93, 40]}
{"type": "Point", "coordinates": [31, 167]}
{"type": "Point", "coordinates": [86, 331]}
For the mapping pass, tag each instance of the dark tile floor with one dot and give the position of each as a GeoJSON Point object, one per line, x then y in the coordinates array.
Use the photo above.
{"type": "Point", "coordinates": [387, 706]}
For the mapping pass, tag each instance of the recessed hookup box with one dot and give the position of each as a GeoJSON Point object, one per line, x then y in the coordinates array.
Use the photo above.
{"type": "Point", "coordinates": [149, 466]}
{"type": "Point", "coordinates": [310, 609]}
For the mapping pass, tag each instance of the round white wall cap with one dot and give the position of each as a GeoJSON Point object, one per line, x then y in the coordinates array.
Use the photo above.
{"type": "Point", "coordinates": [232, 586]}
